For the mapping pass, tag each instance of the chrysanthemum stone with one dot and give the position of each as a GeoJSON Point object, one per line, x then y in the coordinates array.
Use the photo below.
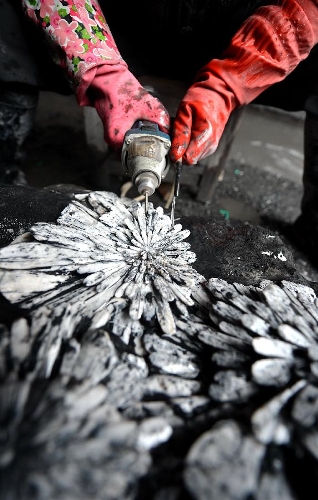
{"type": "Point", "coordinates": [105, 253]}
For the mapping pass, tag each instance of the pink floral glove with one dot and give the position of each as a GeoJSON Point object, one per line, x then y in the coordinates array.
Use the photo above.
{"type": "Point", "coordinates": [83, 45]}
{"type": "Point", "coordinates": [120, 101]}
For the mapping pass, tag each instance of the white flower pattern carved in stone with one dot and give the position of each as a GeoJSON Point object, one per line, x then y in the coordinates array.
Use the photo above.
{"type": "Point", "coordinates": [103, 254]}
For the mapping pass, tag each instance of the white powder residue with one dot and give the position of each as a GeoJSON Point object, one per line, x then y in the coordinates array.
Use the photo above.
{"type": "Point", "coordinates": [267, 253]}
{"type": "Point", "coordinates": [280, 256]}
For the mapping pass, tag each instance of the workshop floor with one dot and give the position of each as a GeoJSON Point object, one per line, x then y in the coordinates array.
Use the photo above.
{"type": "Point", "coordinates": [261, 184]}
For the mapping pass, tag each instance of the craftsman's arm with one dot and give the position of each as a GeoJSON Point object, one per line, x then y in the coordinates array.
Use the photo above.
{"type": "Point", "coordinates": [83, 45]}
{"type": "Point", "coordinates": [267, 48]}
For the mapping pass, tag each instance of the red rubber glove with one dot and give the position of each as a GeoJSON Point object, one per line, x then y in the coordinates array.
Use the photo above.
{"type": "Point", "coordinates": [266, 49]}
{"type": "Point", "coordinates": [120, 100]}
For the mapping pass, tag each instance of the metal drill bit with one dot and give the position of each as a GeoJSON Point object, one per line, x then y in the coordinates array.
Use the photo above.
{"type": "Point", "coordinates": [146, 203]}
{"type": "Point", "coordinates": [178, 166]}
{"type": "Point", "coordinates": [173, 204]}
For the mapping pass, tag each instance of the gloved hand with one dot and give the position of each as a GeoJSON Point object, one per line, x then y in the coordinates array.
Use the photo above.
{"type": "Point", "coordinates": [84, 47]}
{"type": "Point", "coordinates": [120, 101]}
{"type": "Point", "coordinates": [266, 49]}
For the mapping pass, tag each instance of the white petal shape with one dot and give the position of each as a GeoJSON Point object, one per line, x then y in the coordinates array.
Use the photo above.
{"type": "Point", "coordinates": [255, 324]}
{"type": "Point", "coordinates": [266, 419]}
{"type": "Point", "coordinates": [37, 256]}
{"type": "Point", "coordinates": [152, 432]}
{"type": "Point", "coordinates": [271, 371]}
{"type": "Point", "coordinates": [17, 286]}
{"type": "Point", "coordinates": [174, 365]}
{"type": "Point", "coordinates": [276, 298]}
{"type": "Point", "coordinates": [273, 348]}
{"type": "Point", "coordinates": [290, 334]}
{"type": "Point", "coordinates": [165, 317]}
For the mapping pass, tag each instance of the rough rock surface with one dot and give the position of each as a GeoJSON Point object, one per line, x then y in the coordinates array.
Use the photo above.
{"type": "Point", "coordinates": [23, 206]}
{"type": "Point", "coordinates": [245, 253]}
{"type": "Point", "coordinates": [225, 408]}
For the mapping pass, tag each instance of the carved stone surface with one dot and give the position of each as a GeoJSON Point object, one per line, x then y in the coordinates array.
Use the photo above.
{"type": "Point", "coordinates": [106, 261]}
{"type": "Point", "coordinates": [245, 253]}
{"type": "Point", "coordinates": [213, 393]}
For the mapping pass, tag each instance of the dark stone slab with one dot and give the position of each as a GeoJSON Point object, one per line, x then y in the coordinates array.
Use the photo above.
{"type": "Point", "coordinates": [225, 408]}
{"type": "Point", "coordinates": [23, 206]}
{"type": "Point", "coordinates": [245, 254]}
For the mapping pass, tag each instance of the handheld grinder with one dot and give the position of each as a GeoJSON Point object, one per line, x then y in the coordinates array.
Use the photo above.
{"type": "Point", "coordinates": [145, 157]}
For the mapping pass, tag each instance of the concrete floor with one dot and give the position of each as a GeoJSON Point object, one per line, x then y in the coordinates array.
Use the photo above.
{"type": "Point", "coordinates": [272, 141]}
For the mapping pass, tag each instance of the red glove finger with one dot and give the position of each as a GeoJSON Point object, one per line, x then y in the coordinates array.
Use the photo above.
{"type": "Point", "coordinates": [198, 126]}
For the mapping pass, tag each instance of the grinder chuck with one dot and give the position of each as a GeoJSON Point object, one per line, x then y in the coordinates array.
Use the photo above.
{"type": "Point", "coordinates": [145, 156]}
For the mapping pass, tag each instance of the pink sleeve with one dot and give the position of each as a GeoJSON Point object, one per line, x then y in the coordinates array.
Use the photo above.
{"type": "Point", "coordinates": [77, 32]}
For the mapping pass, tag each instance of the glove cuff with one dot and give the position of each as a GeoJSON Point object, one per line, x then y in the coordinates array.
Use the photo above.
{"type": "Point", "coordinates": [266, 49]}
{"type": "Point", "coordinates": [90, 87]}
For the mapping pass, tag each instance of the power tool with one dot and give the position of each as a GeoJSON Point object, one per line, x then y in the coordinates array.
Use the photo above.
{"type": "Point", "coordinates": [145, 157]}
